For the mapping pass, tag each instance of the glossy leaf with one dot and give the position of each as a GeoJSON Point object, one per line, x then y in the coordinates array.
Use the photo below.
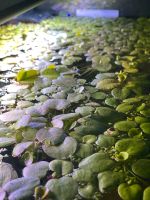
{"type": "Point", "coordinates": [130, 192]}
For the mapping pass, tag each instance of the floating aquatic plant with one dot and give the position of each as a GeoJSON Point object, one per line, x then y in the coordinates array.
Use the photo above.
{"type": "Point", "coordinates": [75, 109]}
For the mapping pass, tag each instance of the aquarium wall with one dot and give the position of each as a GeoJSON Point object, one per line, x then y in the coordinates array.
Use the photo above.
{"type": "Point", "coordinates": [123, 8]}
{"type": "Point", "coordinates": [10, 9]}
{"type": "Point", "coordinates": [127, 8]}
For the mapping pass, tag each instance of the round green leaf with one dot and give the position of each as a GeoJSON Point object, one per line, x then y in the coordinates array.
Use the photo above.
{"type": "Point", "coordinates": [111, 102]}
{"type": "Point", "coordinates": [89, 139]}
{"type": "Point", "coordinates": [54, 135]}
{"type": "Point", "coordinates": [124, 108]}
{"type": "Point", "coordinates": [120, 93]}
{"type": "Point", "coordinates": [99, 95]}
{"type": "Point", "coordinates": [12, 115]}
{"type": "Point", "coordinates": [7, 173]}
{"type": "Point", "coordinates": [62, 151]}
{"type": "Point", "coordinates": [38, 169]}
{"type": "Point", "coordinates": [63, 188]}
{"type": "Point", "coordinates": [20, 148]}
{"type": "Point", "coordinates": [132, 146]}
{"type": "Point", "coordinates": [124, 125]}
{"type": "Point", "coordinates": [105, 141]}
{"type": "Point", "coordinates": [109, 180]}
{"type": "Point", "coordinates": [107, 84]}
{"type": "Point", "coordinates": [97, 162]}
{"type": "Point", "coordinates": [5, 141]}
{"type": "Point", "coordinates": [19, 183]}
{"type": "Point", "coordinates": [130, 192]}
{"type": "Point", "coordinates": [142, 168]}
{"type": "Point", "coordinates": [145, 128]}
{"type": "Point", "coordinates": [146, 193]}
{"type": "Point", "coordinates": [140, 120]}
{"type": "Point", "coordinates": [61, 167]}
{"type": "Point", "coordinates": [84, 150]}
{"type": "Point", "coordinates": [87, 191]}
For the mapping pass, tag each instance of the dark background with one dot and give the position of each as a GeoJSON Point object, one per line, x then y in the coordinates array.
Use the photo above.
{"type": "Point", "coordinates": [8, 3]}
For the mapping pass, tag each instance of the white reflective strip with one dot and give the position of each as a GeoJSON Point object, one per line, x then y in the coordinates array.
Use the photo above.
{"type": "Point", "coordinates": [97, 13]}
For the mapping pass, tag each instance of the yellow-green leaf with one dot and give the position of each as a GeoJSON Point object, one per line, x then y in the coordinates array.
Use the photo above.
{"type": "Point", "coordinates": [51, 72]}
{"type": "Point", "coordinates": [24, 75]}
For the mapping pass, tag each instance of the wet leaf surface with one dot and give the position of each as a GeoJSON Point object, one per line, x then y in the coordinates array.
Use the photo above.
{"type": "Point", "coordinates": [97, 162]}
{"type": "Point", "coordinates": [20, 148]}
{"type": "Point", "coordinates": [38, 170]}
{"type": "Point", "coordinates": [142, 168]}
{"type": "Point", "coordinates": [132, 146]}
{"type": "Point", "coordinates": [63, 188]}
{"type": "Point", "coordinates": [7, 173]}
{"type": "Point", "coordinates": [16, 187]}
{"type": "Point", "coordinates": [61, 167]}
{"type": "Point", "coordinates": [11, 116]}
{"type": "Point", "coordinates": [5, 141]}
{"type": "Point", "coordinates": [109, 180]}
{"type": "Point", "coordinates": [54, 135]}
{"type": "Point", "coordinates": [130, 191]}
{"type": "Point", "coordinates": [63, 151]}
{"type": "Point", "coordinates": [146, 193]}
{"type": "Point", "coordinates": [124, 125]}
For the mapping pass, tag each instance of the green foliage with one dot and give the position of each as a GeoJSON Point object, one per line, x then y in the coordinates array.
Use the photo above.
{"type": "Point", "coordinates": [75, 122]}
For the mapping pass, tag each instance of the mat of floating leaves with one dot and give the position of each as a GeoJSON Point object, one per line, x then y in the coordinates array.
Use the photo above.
{"type": "Point", "coordinates": [75, 109]}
